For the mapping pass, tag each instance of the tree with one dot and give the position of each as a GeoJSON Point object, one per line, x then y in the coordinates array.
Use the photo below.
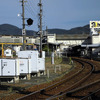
{"type": "Point", "coordinates": [46, 48]}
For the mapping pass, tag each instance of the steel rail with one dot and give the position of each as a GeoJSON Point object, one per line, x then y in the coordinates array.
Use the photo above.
{"type": "Point", "coordinates": [42, 91]}
{"type": "Point", "coordinates": [63, 96]}
{"type": "Point", "coordinates": [34, 95]}
{"type": "Point", "coordinates": [63, 93]}
{"type": "Point", "coordinates": [92, 95]}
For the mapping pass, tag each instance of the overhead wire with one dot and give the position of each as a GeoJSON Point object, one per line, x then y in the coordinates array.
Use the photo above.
{"type": "Point", "coordinates": [32, 8]}
{"type": "Point", "coordinates": [28, 10]}
{"type": "Point", "coordinates": [32, 2]}
{"type": "Point", "coordinates": [31, 5]}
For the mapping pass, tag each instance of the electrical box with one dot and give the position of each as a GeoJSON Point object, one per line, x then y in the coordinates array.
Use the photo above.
{"type": "Point", "coordinates": [25, 66]}
{"type": "Point", "coordinates": [41, 64]}
{"type": "Point", "coordinates": [43, 54]}
{"type": "Point", "coordinates": [33, 55]}
{"type": "Point", "coordinates": [9, 67]}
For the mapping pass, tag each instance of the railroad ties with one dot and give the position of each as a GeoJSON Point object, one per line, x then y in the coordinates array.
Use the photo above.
{"type": "Point", "coordinates": [78, 85]}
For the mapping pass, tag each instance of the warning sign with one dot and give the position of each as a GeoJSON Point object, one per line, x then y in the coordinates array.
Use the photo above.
{"type": "Point", "coordinates": [23, 32]}
{"type": "Point", "coordinates": [94, 24]}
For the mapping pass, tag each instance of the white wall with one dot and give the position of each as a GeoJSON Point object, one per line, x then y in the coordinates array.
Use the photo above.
{"type": "Point", "coordinates": [16, 39]}
{"type": "Point", "coordinates": [30, 40]}
{"type": "Point", "coordinates": [17, 48]}
{"type": "Point", "coordinates": [7, 52]}
{"type": "Point", "coordinates": [71, 42]}
{"type": "Point", "coordinates": [96, 39]}
{"type": "Point", "coordinates": [51, 38]}
{"type": "Point", "coordinates": [67, 43]}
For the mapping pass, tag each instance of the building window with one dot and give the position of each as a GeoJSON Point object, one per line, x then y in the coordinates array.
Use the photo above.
{"type": "Point", "coordinates": [7, 52]}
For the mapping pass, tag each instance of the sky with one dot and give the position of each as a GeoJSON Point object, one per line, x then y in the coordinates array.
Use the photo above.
{"type": "Point", "coordinates": [63, 14]}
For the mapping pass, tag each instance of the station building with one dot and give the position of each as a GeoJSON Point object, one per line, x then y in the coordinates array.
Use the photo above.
{"type": "Point", "coordinates": [86, 42]}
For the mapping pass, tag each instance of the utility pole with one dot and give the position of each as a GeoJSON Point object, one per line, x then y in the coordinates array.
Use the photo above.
{"type": "Point", "coordinates": [40, 26]}
{"type": "Point", "coordinates": [47, 38]}
{"type": "Point", "coordinates": [23, 25]}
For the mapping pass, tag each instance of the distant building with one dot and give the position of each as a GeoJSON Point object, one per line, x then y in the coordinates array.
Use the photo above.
{"type": "Point", "coordinates": [8, 52]}
{"type": "Point", "coordinates": [93, 47]}
{"type": "Point", "coordinates": [70, 40]}
{"type": "Point", "coordinates": [54, 41]}
{"type": "Point", "coordinates": [16, 39]}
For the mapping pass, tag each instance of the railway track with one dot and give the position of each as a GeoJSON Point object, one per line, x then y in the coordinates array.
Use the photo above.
{"type": "Point", "coordinates": [87, 92]}
{"type": "Point", "coordinates": [61, 89]}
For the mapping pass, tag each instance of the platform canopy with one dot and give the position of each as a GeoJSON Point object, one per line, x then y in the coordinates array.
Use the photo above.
{"type": "Point", "coordinates": [55, 43]}
{"type": "Point", "coordinates": [91, 45]}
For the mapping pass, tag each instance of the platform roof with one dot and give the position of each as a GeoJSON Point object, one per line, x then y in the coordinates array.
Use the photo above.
{"type": "Point", "coordinates": [72, 37]}
{"type": "Point", "coordinates": [91, 45]}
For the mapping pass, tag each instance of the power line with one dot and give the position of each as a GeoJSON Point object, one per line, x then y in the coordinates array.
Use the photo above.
{"type": "Point", "coordinates": [29, 10]}
{"type": "Point", "coordinates": [31, 7]}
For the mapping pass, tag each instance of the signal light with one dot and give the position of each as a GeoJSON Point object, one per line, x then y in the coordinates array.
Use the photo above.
{"type": "Point", "coordinates": [29, 21]}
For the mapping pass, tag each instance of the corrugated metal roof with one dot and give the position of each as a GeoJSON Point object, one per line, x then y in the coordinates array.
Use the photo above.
{"type": "Point", "coordinates": [71, 37]}
{"type": "Point", "coordinates": [91, 45]}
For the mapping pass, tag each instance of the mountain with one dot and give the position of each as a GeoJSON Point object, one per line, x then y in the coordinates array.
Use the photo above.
{"type": "Point", "coordinates": [78, 30]}
{"type": "Point", "coordinates": [7, 29]}
{"type": "Point", "coordinates": [58, 31]}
